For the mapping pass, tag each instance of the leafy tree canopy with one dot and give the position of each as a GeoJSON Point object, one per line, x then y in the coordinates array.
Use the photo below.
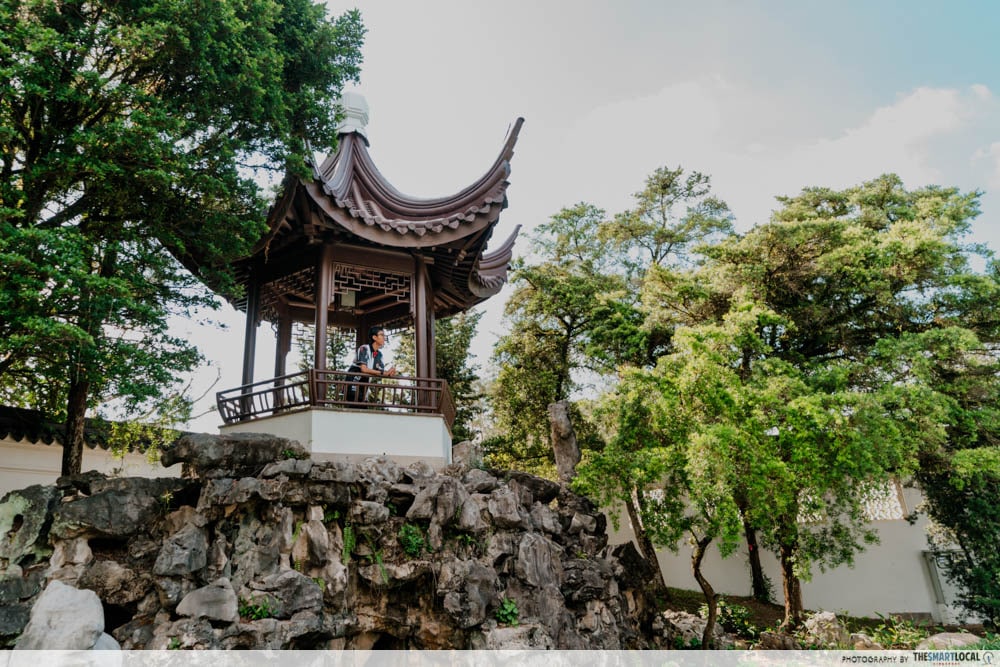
{"type": "Point", "coordinates": [129, 130]}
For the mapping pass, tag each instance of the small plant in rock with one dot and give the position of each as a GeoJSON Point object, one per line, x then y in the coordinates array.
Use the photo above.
{"type": "Point", "coordinates": [256, 611]}
{"type": "Point", "coordinates": [175, 644]}
{"type": "Point", "coordinates": [329, 516]}
{"type": "Point", "coordinates": [166, 501]}
{"type": "Point", "coordinates": [411, 538]}
{"type": "Point", "coordinates": [292, 454]}
{"type": "Point", "coordinates": [377, 557]}
{"type": "Point", "coordinates": [321, 582]}
{"type": "Point", "coordinates": [350, 541]}
{"type": "Point", "coordinates": [507, 613]}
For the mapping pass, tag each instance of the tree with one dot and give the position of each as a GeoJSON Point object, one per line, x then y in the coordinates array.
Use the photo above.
{"type": "Point", "coordinates": [656, 232]}
{"type": "Point", "coordinates": [130, 131]}
{"type": "Point", "coordinates": [804, 340]}
{"type": "Point", "coordinates": [554, 306]}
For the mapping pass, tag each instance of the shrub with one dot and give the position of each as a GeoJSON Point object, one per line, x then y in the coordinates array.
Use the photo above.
{"type": "Point", "coordinates": [734, 619]}
{"type": "Point", "coordinates": [411, 538]}
{"type": "Point", "coordinates": [507, 612]}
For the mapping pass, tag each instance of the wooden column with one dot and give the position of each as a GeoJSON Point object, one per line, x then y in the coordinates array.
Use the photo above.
{"type": "Point", "coordinates": [423, 321]}
{"type": "Point", "coordinates": [324, 279]}
{"type": "Point", "coordinates": [324, 283]}
{"type": "Point", "coordinates": [250, 339]}
{"type": "Point", "coordinates": [283, 344]}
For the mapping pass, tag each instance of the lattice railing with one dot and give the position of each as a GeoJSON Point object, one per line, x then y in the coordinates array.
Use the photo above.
{"type": "Point", "coordinates": [336, 390]}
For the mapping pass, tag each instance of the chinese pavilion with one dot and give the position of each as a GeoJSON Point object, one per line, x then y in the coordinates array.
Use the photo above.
{"type": "Point", "coordinates": [348, 250]}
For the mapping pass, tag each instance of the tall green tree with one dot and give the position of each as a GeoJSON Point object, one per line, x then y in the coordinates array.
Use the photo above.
{"type": "Point", "coordinates": [130, 134]}
{"type": "Point", "coordinates": [820, 390]}
{"type": "Point", "coordinates": [555, 305]}
{"type": "Point", "coordinates": [674, 215]}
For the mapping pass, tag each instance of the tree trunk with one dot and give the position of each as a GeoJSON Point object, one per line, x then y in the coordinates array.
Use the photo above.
{"type": "Point", "coordinates": [711, 599]}
{"type": "Point", "coordinates": [758, 584]}
{"type": "Point", "coordinates": [647, 549]}
{"type": "Point", "coordinates": [793, 590]}
{"type": "Point", "coordinates": [76, 412]}
{"type": "Point", "coordinates": [757, 581]}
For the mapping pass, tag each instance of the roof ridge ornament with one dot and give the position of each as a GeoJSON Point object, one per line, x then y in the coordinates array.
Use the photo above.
{"type": "Point", "coordinates": [355, 109]}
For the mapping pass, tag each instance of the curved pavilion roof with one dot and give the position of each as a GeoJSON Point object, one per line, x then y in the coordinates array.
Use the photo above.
{"type": "Point", "coordinates": [349, 201]}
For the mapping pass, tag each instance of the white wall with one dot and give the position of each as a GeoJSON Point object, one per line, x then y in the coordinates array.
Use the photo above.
{"type": "Point", "coordinates": [355, 434]}
{"type": "Point", "coordinates": [24, 464]}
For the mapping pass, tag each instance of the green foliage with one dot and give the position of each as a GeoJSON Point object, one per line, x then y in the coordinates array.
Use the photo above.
{"type": "Point", "coordinates": [411, 538]}
{"type": "Point", "coordinates": [350, 541]}
{"type": "Point", "coordinates": [132, 136]}
{"type": "Point", "coordinates": [991, 642]}
{"type": "Point", "coordinates": [555, 304]}
{"type": "Point", "coordinates": [674, 215]}
{"type": "Point", "coordinates": [507, 613]}
{"type": "Point", "coordinates": [175, 644]}
{"type": "Point", "coordinates": [965, 502]}
{"type": "Point", "coordinates": [256, 610]}
{"type": "Point", "coordinates": [377, 559]}
{"type": "Point", "coordinates": [895, 633]}
{"type": "Point", "coordinates": [810, 360]}
{"type": "Point", "coordinates": [734, 619]}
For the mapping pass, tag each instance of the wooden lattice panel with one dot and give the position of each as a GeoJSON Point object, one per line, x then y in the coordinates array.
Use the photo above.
{"type": "Point", "coordinates": [299, 284]}
{"type": "Point", "coordinates": [347, 278]}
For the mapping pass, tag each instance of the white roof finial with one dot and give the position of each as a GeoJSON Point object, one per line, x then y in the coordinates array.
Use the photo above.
{"type": "Point", "coordinates": [355, 114]}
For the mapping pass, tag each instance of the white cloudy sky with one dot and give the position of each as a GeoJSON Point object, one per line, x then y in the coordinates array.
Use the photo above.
{"type": "Point", "coordinates": [766, 97]}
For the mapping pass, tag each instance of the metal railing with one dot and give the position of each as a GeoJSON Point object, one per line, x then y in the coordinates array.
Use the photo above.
{"type": "Point", "coordinates": [336, 390]}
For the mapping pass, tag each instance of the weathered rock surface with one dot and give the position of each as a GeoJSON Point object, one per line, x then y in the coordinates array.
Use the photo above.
{"type": "Point", "coordinates": [824, 630]}
{"type": "Point", "coordinates": [63, 618]}
{"type": "Point", "coordinates": [948, 640]}
{"type": "Point", "coordinates": [264, 548]}
{"type": "Point", "coordinates": [679, 629]}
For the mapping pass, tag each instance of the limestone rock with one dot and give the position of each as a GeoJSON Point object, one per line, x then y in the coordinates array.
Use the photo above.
{"type": "Point", "coordinates": [367, 513]}
{"type": "Point", "coordinates": [217, 602]}
{"type": "Point", "coordinates": [506, 510]}
{"type": "Point", "coordinates": [468, 454]}
{"type": "Point", "coordinates": [23, 516]}
{"type": "Point", "coordinates": [469, 590]}
{"type": "Point", "coordinates": [183, 553]}
{"type": "Point", "coordinates": [542, 490]}
{"type": "Point", "coordinates": [116, 510]}
{"type": "Point", "coordinates": [231, 455]}
{"type": "Point", "coordinates": [114, 583]}
{"type": "Point", "coordinates": [564, 446]}
{"type": "Point", "coordinates": [683, 630]}
{"type": "Point", "coordinates": [288, 468]}
{"type": "Point", "coordinates": [859, 641]}
{"type": "Point", "coordinates": [825, 629]}
{"type": "Point", "coordinates": [479, 481]}
{"type": "Point", "coordinates": [316, 547]}
{"type": "Point", "coordinates": [538, 561]}
{"type": "Point", "coordinates": [948, 640]}
{"type": "Point", "coordinates": [63, 618]}
{"type": "Point", "coordinates": [292, 591]}
{"type": "Point", "coordinates": [777, 641]}
{"type": "Point", "coordinates": [524, 637]}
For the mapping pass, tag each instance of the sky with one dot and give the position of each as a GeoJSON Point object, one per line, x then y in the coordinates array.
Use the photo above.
{"type": "Point", "coordinates": [764, 97]}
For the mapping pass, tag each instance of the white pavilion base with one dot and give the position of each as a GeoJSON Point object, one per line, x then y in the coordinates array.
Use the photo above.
{"type": "Point", "coordinates": [354, 435]}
